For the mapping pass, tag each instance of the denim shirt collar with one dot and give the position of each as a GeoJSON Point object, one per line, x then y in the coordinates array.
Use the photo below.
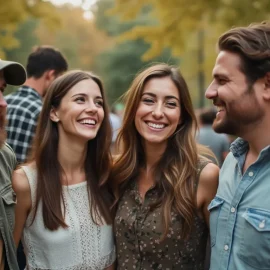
{"type": "Point", "coordinates": [240, 147]}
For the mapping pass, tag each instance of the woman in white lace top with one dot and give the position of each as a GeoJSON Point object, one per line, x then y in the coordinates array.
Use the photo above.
{"type": "Point", "coordinates": [62, 213]}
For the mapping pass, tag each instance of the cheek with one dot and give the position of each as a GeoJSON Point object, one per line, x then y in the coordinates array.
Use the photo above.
{"type": "Point", "coordinates": [101, 115]}
{"type": "Point", "coordinates": [176, 117]}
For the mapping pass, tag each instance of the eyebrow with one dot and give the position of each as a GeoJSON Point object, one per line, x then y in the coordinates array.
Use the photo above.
{"type": "Point", "coordinates": [83, 94]}
{"type": "Point", "coordinates": [153, 95]}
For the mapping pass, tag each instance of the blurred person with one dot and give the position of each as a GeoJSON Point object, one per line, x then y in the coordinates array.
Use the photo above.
{"type": "Point", "coordinates": [240, 212]}
{"type": "Point", "coordinates": [218, 143]}
{"type": "Point", "coordinates": [118, 109]}
{"type": "Point", "coordinates": [116, 122]}
{"type": "Point", "coordinates": [44, 64]}
{"type": "Point", "coordinates": [14, 74]}
{"type": "Point", "coordinates": [161, 182]}
{"type": "Point", "coordinates": [62, 211]}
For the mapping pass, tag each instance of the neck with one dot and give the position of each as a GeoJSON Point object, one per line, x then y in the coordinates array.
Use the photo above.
{"type": "Point", "coordinates": [71, 157]}
{"type": "Point", "coordinates": [153, 154]}
{"type": "Point", "coordinates": [36, 84]}
{"type": "Point", "coordinates": [258, 136]}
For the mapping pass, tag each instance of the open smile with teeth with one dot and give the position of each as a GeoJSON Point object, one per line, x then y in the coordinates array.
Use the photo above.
{"type": "Point", "coordinates": [220, 108]}
{"type": "Point", "coordinates": [156, 126]}
{"type": "Point", "coordinates": [88, 122]}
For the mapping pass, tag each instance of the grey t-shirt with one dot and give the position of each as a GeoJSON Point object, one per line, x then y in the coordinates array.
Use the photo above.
{"type": "Point", "coordinates": [218, 143]}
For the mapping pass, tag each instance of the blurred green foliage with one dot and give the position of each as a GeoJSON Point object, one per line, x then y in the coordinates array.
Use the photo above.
{"type": "Point", "coordinates": [119, 65]}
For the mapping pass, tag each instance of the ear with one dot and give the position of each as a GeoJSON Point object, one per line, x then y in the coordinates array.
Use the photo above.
{"type": "Point", "coordinates": [53, 115]}
{"type": "Point", "coordinates": [50, 74]}
{"type": "Point", "coordinates": [266, 92]}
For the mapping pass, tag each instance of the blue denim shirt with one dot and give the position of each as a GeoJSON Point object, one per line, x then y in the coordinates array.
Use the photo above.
{"type": "Point", "coordinates": [240, 213]}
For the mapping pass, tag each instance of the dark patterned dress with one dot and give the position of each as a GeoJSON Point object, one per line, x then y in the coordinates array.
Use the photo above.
{"type": "Point", "coordinates": [138, 234]}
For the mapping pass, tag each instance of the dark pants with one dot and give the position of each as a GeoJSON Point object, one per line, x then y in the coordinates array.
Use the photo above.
{"type": "Point", "coordinates": [21, 257]}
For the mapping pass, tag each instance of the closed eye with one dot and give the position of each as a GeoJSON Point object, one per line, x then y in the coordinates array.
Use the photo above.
{"type": "Point", "coordinates": [171, 104]}
{"type": "Point", "coordinates": [148, 100]}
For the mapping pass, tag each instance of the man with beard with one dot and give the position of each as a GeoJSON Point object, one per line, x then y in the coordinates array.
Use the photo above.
{"type": "Point", "coordinates": [14, 74]}
{"type": "Point", "coordinates": [240, 212]}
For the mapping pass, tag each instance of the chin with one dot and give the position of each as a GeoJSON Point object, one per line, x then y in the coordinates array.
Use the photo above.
{"type": "Point", "coordinates": [225, 127]}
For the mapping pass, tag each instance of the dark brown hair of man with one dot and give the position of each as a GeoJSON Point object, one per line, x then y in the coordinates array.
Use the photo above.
{"type": "Point", "coordinates": [252, 44]}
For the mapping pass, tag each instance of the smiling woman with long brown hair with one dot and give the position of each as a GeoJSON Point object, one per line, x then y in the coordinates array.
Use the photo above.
{"type": "Point", "coordinates": [62, 211]}
{"type": "Point", "coordinates": [162, 183]}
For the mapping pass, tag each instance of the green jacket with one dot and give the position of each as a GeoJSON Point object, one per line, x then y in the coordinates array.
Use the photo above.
{"type": "Point", "coordinates": [7, 206]}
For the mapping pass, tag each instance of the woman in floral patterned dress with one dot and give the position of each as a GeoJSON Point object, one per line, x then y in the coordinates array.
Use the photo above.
{"type": "Point", "coordinates": [161, 181]}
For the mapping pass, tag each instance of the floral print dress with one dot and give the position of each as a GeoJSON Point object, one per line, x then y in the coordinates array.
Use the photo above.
{"type": "Point", "coordinates": [138, 233]}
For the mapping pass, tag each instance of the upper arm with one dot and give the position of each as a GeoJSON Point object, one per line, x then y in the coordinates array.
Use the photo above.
{"type": "Point", "coordinates": [207, 188]}
{"type": "Point", "coordinates": [22, 189]}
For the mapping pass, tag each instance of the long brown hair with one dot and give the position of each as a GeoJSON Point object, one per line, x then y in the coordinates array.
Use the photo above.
{"type": "Point", "coordinates": [176, 171]}
{"type": "Point", "coordinates": [97, 162]}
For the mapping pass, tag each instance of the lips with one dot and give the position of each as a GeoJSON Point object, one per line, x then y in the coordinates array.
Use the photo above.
{"type": "Point", "coordinates": [88, 121]}
{"type": "Point", "coordinates": [158, 126]}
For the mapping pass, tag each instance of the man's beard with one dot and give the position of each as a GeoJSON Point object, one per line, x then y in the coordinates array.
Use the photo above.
{"type": "Point", "coordinates": [238, 117]}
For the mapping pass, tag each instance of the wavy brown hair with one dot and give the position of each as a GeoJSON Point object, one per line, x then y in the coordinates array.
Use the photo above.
{"type": "Point", "coordinates": [97, 162]}
{"type": "Point", "coordinates": [176, 171]}
{"type": "Point", "coordinates": [252, 44]}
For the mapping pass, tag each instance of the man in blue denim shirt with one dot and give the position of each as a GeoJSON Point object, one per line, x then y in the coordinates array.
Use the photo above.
{"type": "Point", "coordinates": [240, 212]}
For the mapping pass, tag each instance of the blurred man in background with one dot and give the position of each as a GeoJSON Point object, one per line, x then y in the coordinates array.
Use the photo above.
{"type": "Point", "coordinates": [44, 64]}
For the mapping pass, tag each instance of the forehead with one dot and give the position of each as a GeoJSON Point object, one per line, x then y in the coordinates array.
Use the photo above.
{"type": "Point", "coordinates": [163, 86]}
{"type": "Point", "coordinates": [227, 64]}
{"type": "Point", "coordinates": [87, 87]}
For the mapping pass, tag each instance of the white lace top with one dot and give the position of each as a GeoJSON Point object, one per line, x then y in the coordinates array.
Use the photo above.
{"type": "Point", "coordinates": [83, 245]}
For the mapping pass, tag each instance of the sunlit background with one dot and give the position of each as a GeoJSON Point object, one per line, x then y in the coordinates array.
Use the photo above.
{"type": "Point", "coordinates": [117, 38]}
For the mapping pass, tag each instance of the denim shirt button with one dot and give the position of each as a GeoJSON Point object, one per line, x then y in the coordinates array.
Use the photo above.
{"type": "Point", "coordinates": [232, 210]}
{"type": "Point", "coordinates": [262, 224]}
{"type": "Point", "coordinates": [226, 247]}
{"type": "Point", "coordinates": [250, 174]}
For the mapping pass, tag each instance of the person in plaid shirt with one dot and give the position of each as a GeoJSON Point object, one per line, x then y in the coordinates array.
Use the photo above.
{"type": "Point", "coordinates": [44, 64]}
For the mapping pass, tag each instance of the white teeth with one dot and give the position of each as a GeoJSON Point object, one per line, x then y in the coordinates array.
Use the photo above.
{"type": "Point", "coordinates": [158, 126]}
{"type": "Point", "coordinates": [88, 122]}
{"type": "Point", "coordinates": [219, 108]}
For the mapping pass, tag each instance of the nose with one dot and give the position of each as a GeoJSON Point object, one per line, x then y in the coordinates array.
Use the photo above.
{"type": "Point", "coordinates": [158, 111]}
{"type": "Point", "coordinates": [3, 103]}
{"type": "Point", "coordinates": [211, 91]}
{"type": "Point", "coordinates": [91, 108]}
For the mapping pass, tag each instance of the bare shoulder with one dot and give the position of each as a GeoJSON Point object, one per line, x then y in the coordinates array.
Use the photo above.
{"type": "Point", "coordinates": [209, 174]}
{"type": "Point", "coordinates": [20, 182]}
{"type": "Point", "coordinates": [208, 183]}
